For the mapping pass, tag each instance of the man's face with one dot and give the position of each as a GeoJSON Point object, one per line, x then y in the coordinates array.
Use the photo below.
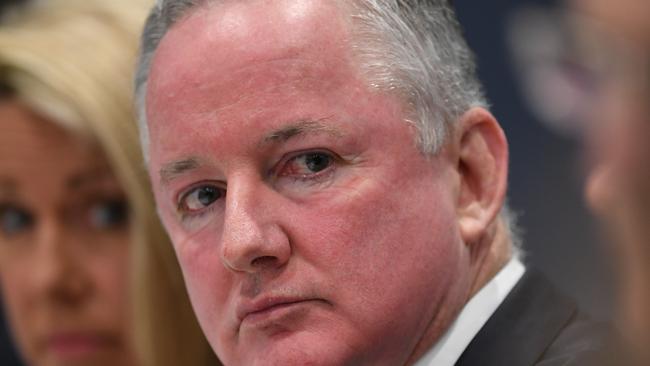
{"type": "Point", "coordinates": [309, 227]}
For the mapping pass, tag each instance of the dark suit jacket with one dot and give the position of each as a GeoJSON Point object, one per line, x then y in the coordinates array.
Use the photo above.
{"type": "Point", "coordinates": [535, 325]}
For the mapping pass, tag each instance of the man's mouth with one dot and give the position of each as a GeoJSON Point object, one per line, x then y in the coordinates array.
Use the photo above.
{"type": "Point", "coordinates": [272, 308]}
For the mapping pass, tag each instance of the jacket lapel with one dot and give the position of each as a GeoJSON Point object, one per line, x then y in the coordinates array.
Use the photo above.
{"type": "Point", "coordinates": [523, 327]}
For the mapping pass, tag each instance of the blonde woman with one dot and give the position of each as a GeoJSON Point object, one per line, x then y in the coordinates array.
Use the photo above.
{"type": "Point", "coordinates": [77, 222]}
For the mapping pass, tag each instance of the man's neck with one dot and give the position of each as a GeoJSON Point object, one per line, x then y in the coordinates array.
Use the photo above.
{"type": "Point", "coordinates": [496, 256]}
{"type": "Point", "coordinates": [487, 259]}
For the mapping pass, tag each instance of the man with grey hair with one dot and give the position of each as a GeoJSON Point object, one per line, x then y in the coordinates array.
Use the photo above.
{"type": "Point", "coordinates": [334, 187]}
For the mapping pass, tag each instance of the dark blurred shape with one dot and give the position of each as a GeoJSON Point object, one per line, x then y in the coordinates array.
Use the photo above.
{"type": "Point", "coordinates": [585, 69]}
{"type": "Point", "coordinates": [546, 170]}
{"type": "Point", "coordinates": [4, 4]}
{"type": "Point", "coordinates": [614, 44]}
{"type": "Point", "coordinates": [557, 86]}
{"type": "Point", "coordinates": [8, 356]}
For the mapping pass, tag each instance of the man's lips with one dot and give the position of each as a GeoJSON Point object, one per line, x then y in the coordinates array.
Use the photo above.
{"type": "Point", "coordinates": [268, 305]}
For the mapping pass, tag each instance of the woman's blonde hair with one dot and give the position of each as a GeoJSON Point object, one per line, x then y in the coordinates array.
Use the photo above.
{"type": "Point", "coordinates": [72, 61]}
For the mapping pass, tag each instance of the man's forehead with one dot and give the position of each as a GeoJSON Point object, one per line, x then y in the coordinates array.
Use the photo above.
{"type": "Point", "coordinates": [222, 43]}
{"type": "Point", "coordinates": [251, 30]}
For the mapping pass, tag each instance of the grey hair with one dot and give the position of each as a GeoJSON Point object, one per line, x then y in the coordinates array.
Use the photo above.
{"type": "Point", "coordinates": [414, 48]}
{"type": "Point", "coordinates": [162, 16]}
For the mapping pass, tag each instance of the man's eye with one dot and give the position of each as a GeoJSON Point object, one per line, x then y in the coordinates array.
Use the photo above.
{"type": "Point", "coordinates": [14, 220]}
{"type": "Point", "coordinates": [315, 162]}
{"type": "Point", "coordinates": [201, 197]}
{"type": "Point", "coordinates": [307, 164]}
{"type": "Point", "coordinates": [109, 214]}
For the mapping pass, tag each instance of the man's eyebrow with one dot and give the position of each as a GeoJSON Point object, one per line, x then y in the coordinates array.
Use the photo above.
{"type": "Point", "coordinates": [299, 128]}
{"type": "Point", "coordinates": [172, 170]}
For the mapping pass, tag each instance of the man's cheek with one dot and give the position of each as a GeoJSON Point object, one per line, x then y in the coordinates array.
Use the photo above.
{"type": "Point", "coordinates": [203, 271]}
{"type": "Point", "coordinates": [348, 228]}
{"type": "Point", "coordinates": [205, 282]}
{"type": "Point", "coordinates": [359, 199]}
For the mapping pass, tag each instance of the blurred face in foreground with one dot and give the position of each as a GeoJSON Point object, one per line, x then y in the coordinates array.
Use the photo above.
{"type": "Point", "coordinates": [619, 185]}
{"type": "Point", "coordinates": [309, 227]}
{"type": "Point", "coordinates": [63, 245]}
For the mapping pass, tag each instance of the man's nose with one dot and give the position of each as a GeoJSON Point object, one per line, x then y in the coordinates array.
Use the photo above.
{"type": "Point", "coordinates": [253, 238]}
{"type": "Point", "coordinates": [57, 272]}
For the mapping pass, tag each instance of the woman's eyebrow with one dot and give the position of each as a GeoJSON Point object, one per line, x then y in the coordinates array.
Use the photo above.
{"type": "Point", "coordinates": [87, 177]}
{"type": "Point", "coordinates": [8, 186]}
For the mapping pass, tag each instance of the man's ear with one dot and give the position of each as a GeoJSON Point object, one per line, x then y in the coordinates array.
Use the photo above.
{"type": "Point", "coordinates": [483, 172]}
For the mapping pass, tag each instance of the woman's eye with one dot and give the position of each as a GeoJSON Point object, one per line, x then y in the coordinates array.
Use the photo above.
{"type": "Point", "coordinates": [307, 164]}
{"type": "Point", "coordinates": [109, 214]}
{"type": "Point", "coordinates": [14, 220]}
{"type": "Point", "coordinates": [201, 197]}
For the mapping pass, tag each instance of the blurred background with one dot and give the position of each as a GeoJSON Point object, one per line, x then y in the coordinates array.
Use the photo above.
{"type": "Point", "coordinates": [546, 168]}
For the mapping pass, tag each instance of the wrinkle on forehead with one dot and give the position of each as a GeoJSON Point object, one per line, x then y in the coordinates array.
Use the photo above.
{"type": "Point", "coordinates": [274, 77]}
{"type": "Point", "coordinates": [237, 78]}
{"type": "Point", "coordinates": [251, 93]}
{"type": "Point", "coordinates": [251, 32]}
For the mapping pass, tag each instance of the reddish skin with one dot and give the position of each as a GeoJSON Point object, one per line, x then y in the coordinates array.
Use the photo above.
{"type": "Point", "coordinates": [375, 242]}
{"type": "Point", "coordinates": [64, 283]}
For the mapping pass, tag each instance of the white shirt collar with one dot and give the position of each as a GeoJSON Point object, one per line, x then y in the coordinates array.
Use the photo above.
{"type": "Point", "coordinates": [473, 316]}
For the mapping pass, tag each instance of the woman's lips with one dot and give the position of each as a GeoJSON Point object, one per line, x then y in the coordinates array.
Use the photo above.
{"type": "Point", "coordinates": [78, 345]}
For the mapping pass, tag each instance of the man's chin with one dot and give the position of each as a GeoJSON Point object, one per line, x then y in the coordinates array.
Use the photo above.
{"type": "Point", "coordinates": [299, 354]}
{"type": "Point", "coordinates": [295, 347]}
